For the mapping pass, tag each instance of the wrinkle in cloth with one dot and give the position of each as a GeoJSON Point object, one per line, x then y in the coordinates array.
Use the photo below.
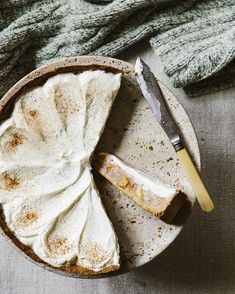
{"type": "Point", "coordinates": [195, 40]}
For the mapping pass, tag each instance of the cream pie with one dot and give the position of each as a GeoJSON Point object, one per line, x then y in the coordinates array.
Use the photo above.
{"type": "Point", "coordinates": [47, 191]}
{"type": "Point", "coordinates": [150, 193]}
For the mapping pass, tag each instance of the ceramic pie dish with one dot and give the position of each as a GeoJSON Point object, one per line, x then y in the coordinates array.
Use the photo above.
{"type": "Point", "coordinates": [132, 134]}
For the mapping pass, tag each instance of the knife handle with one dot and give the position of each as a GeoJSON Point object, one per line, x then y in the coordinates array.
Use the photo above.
{"type": "Point", "coordinates": [193, 177]}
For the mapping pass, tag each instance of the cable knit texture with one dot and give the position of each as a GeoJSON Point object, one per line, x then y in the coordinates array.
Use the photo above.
{"type": "Point", "coordinates": [194, 39]}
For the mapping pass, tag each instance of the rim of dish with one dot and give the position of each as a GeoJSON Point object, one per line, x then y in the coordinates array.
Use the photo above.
{"type": "Point", "coordinates": [34, 78]}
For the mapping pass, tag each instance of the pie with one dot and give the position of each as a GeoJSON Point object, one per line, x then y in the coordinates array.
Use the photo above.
{"type": "Point", "coordinates": [47, 191]}
{"type": "Point", "coordinates": [150, 193]}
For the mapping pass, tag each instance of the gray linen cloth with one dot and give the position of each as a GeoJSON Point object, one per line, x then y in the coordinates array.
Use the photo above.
{"type": "Point", "coordinates": [194, 39]}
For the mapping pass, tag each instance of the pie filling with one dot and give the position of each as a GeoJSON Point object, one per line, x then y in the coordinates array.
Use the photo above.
{"type": "Point", "coordinates": [150, 193]}
{"type": "Point", "coordinates": [47, 191]}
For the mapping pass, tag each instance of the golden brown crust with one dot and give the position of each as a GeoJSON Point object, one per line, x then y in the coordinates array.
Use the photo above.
{"type": "Point", "coordinates": [164, 208]}
{"type": "Point", "coordinates": [85, 271]}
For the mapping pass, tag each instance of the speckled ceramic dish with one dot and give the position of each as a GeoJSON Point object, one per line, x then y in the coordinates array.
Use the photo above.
{"type": "Point", "coordinates": [132, 134]}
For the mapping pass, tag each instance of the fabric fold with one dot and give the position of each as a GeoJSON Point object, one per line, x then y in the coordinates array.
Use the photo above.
{"type": "Point", "coordinates": [194, 39]}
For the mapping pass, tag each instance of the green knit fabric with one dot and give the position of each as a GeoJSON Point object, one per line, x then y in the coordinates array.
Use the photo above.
{"type": "Point", "coordinates": [194, 39]}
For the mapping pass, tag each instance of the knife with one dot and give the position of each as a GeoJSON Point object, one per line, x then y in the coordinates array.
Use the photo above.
{"type": "Point", "coordinates": [153, 94]}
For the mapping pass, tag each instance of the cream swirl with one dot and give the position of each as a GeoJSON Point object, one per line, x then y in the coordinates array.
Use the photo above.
{"type": "Point", "coordinates": [46, 188]}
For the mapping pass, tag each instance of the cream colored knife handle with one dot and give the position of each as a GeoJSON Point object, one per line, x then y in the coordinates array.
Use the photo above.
{"type": "Point", "coordinates": [194, 178]}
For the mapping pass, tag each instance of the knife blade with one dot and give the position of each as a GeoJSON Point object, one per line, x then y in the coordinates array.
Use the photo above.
{"type": "Point", "coordinates": [156, 100]}
{"type": "Point", "coordinates": [153, 94]}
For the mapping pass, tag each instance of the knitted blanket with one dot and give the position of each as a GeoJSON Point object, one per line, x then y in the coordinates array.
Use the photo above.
{"type": "Point", "coordinates": [194, 39]}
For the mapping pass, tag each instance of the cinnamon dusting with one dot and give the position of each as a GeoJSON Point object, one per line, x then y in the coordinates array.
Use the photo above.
{"type": "Point", "coordinates": [64, 104]}
{"type": "Point", "coordinates": [27, 217]}
{"type": "Point", "coordinates": [94, 252]}
{"type": "Point", "coordinates": [15, 140]}
{"type": "Point", "coordinates": [58, 246]}
{"type": "Point", "coordinates": [33, 113]}
{"type": "Point", "coordinates": [10, 182]}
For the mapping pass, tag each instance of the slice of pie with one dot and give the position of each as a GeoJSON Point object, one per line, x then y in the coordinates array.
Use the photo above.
{"type": "Point", "coordinates": [150, 193]}
{"type": "Point", "coordinates": [47, 192]}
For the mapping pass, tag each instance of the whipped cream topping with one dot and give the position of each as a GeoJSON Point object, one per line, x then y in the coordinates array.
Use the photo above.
{"type": "Point", "coordinates": [47, 190]}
